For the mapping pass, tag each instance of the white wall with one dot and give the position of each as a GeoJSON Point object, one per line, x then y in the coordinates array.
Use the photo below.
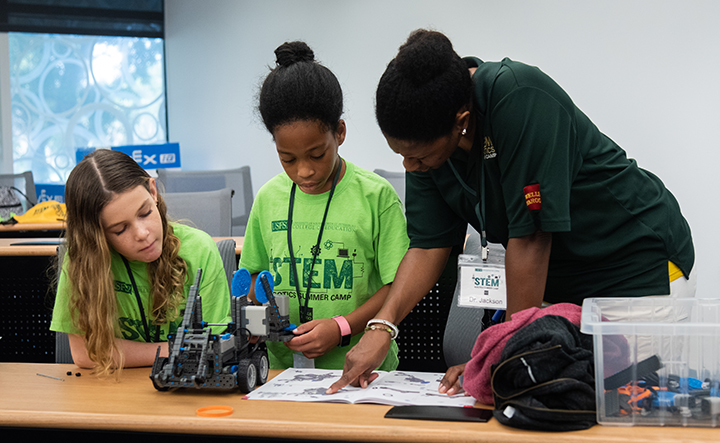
{"type": "Point", "coordinates": [646, 71]}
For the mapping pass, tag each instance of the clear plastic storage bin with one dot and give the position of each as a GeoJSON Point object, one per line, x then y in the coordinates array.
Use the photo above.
{"type": "Point", "coordinates": [657, 360]}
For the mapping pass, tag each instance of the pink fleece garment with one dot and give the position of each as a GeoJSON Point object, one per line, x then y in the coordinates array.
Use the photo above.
{"type": "Point", "coordinates": [491, 342]}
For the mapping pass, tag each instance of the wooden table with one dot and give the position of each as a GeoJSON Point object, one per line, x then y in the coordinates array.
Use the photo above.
{"type": "Point", "coordinates": [25, 230]}
{"type": "Point", "coordinates": [11, 247]}
{"type": "Point", "coordinates": [132, 404]}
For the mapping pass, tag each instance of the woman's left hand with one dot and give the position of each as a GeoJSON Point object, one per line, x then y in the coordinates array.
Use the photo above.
{"type": "Point", "coordinates": [451, 383]}
{"type": "Point", "coordinates": [315, 338]}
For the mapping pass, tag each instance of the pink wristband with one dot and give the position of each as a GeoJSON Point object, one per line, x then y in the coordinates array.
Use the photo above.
{"type": "Point", "coordinates": [345, 331]}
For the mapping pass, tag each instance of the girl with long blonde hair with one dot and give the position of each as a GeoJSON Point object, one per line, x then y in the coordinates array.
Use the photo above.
{"type": "Point", "coordinates": [128, 269]}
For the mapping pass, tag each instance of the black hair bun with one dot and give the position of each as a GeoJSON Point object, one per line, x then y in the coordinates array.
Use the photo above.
{"type": "Point", "coordinates": [293, 52]}
{"type": "Point", "coordinates": [424, 56]}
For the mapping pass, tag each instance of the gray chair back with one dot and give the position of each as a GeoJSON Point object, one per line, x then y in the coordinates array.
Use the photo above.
{"type": "Point", "coordinates": [210, 211]}
{"type": "Point", "coordinates": [226, 247]}
{"type": "Point", "coordinates": [396, 179]}
{"type": "Point", "coordinates": [237, 179]}
{"type": "Point", "coordinates": [465, 324]}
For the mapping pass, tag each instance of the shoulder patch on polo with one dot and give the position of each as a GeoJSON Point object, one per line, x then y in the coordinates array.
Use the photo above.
{"type": "Point", "coordinates": [532, 197]}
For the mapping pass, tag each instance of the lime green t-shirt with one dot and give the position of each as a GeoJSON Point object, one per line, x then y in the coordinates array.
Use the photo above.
{"type": "Point", "coordinates": [363, 241]}
{"type": "Point", "coordinates": [197, 249]}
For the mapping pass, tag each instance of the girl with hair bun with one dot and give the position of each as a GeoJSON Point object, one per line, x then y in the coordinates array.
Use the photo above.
{"type": "Point", "coordinates": [128, 269]}
{"type": "Point", "coordinates": [500, 146]}
{"type": "Point", "coordinates": [332, 234]}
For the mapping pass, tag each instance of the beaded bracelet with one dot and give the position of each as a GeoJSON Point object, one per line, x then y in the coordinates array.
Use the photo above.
{"type": "Point", "coordinates": [389, 327]}
{"type": "Point", "coordinates": [379, 328]}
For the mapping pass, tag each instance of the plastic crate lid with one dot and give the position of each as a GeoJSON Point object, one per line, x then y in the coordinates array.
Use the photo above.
{"type": "Point", "coordinates": [702, 316]}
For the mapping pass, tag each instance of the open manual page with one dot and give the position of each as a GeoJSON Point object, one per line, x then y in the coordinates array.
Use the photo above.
{"type": "Point", "coordinates": [390, 388]}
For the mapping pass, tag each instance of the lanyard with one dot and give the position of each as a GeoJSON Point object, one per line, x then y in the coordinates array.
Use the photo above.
{"type": "Point", "coordinates": [315, 249]}
{"type": "Point", "coordinates": [140, 306]}
{"type": "Point", "coordinates": [480, 212]}
{"type": "Point", "coordinates": [480, 205]}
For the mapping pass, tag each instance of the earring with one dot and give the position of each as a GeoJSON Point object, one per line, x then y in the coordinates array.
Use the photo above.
{"type": "Point", "coordinates": [463, 133]}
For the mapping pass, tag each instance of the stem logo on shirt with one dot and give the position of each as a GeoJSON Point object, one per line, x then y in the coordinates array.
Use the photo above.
{"type": "Point", "coordinates": [338, 269]}
{"type": "Point", "coordinates": [532, 197]}
{"type": "Point", "coordinates": [133, 329]}
{"type": "Point", "coordinates": [329, 273]}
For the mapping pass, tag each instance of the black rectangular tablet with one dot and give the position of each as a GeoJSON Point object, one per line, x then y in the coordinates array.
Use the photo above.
{"type": "Point", "coordinates": [441, 413]}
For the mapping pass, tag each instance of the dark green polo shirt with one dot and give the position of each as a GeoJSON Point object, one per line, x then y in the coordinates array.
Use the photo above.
{"type": "Point", "coordinates": [547, 166]}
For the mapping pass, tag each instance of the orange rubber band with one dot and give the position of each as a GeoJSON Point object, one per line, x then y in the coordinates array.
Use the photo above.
{"type": "Point", "coordinates": [214, 411]}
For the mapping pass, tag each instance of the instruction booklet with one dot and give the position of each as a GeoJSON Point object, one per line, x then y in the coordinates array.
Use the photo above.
{"type": "Point", "coordinates": [390, 388]}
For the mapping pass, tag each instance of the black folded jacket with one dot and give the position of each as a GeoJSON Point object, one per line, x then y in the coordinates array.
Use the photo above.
{"type": "Point", "coordinates": [545, 378]}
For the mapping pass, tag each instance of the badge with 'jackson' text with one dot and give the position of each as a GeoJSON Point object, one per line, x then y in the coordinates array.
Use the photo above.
{"type": "Point", "coordinates": [483, 286]}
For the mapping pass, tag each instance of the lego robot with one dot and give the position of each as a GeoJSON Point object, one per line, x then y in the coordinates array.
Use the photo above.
{"type": "Point", "coordinates": [235, 359]}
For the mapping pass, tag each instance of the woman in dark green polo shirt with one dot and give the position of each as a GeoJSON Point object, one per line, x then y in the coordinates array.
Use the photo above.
{"type": "Point", "coordinates": [502, 147]}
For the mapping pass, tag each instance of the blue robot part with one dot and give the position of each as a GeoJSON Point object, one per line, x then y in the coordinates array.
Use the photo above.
{"type": "Point", "coordinates": [263, 283]}
{"type": "Point", "coordinates": [241, 282]}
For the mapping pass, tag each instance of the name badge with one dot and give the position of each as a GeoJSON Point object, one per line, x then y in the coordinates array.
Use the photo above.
{"type": "Point", "coordinates": [482, 284]}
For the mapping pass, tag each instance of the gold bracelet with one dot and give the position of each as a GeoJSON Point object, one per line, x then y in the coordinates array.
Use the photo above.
{"type": "Point", "coordinates": [375, 327]}
{"type": "Point", "coordinates": [394, 332]}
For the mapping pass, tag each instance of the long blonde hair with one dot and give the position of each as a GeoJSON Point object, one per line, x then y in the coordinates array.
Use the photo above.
{"type": "Point", "coordinates": [92, 184]}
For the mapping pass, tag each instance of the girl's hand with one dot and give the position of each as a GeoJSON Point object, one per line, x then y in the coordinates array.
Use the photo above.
{"type": "Point", "coordinates": [315, 338]}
